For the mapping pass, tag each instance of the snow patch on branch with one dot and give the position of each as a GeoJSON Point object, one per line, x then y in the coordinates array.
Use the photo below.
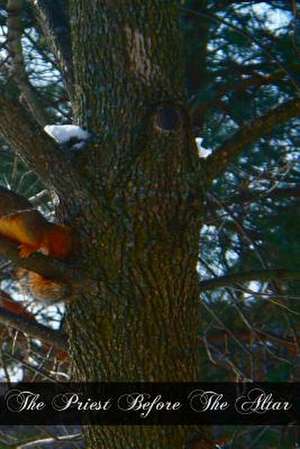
{"type": "Point", "coordinates": [203, 152]}
{"type": "Point", "coordinates": [64, 134]}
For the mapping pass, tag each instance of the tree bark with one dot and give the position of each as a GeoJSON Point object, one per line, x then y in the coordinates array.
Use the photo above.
{"type": "Point", "coordinates": [140, 232]}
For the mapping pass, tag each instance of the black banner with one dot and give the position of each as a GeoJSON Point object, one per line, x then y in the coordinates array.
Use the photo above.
{"type": "Point", "coordinates": [150, 403]}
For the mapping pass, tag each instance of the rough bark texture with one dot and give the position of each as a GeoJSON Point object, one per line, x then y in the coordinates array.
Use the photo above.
{"type": "Point", "coordinates": [139, 323]}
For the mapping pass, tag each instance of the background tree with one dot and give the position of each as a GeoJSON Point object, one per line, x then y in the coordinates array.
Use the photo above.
{"type": "Point", "coordinates": [138, 195]}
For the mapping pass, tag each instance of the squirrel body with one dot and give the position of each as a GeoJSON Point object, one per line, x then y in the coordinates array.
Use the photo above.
{"type": "Point", "coordinates": [41, 288]}
{"type": "Point", "coordinates": [21, 223]}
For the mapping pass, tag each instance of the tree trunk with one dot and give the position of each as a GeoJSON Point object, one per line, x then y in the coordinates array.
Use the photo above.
{"type": "Point", "coordinates": [137, 319]}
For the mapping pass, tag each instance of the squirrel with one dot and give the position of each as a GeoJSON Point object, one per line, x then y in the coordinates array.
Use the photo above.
{"type": "Point", "coordinates": [21, 223]}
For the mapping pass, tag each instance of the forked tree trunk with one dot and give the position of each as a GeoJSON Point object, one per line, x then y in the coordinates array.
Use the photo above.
{"type": "Point", "coordinates": [138, 319]}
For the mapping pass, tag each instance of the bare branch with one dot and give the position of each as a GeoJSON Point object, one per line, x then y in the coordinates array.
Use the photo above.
{"type": "Point", "coordinates": [248, 197]}
{"type": "Point", "coordinates": [54, 21]}
{"type": "Point", "coordinates": [218, 162]}
{"type": "Point", "coordinates": [239, 30]}
{"type": "Point", "coordinates": [39, 198]}
{"type": "Point", "coordinates": [33, 368]}
{"type": "Point", "coordinates": [198, 111]}
{"type": "Point", "coordinates": [40, 152]}
{"type": "Point", "coordinates": [262, 275]}
{"type": "Point", "coordinates": [34, 329]}
{"type": "Point", "coordinates": [244, 197]}
{"type": "Point", "coordinates": [247, 336]}
{"type": "Point", "coordinates": [59, 441]}
{"type": "Point", "coordinates": [14, 36]}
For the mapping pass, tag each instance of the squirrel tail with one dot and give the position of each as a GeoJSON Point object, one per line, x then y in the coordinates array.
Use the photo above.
{"type": "Point", "coordinates": [43, 289]}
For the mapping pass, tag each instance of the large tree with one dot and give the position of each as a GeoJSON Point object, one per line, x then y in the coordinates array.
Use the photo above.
{"type": "Point", "coordinates": [137, 194]}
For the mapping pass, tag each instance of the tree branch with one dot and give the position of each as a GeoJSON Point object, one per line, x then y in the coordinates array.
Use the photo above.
{"type": "Point", "coordinates": [34, 329]}
{"type": "Point", "coordinates": [254, 197]}
{"type": "Point", "coordinates": [44, 265]}
{"type": "Point", "coordinates": [54, 22]}
{"type": "Point", "coordinates": [14, 36]}
{"type": "Point", "coordinates": [217, 163]}
{"type": "Point", "coordinates": [247, 336]}
{"type": "Point", "coordinates": [240, 30]}
{"type": "Point", "coordinates": [245, 197]}
{"type": "Point", "coordinates": [262, 275]}
{"type": "Point", "coordinates": [199, 110]}
{"type": "Point", "coordinates": [40, 151]}
{"type": "Point", "coordinates": [39, 198]}
{"type": "Point", "coordinates": [58, 441]}
{"type": "Point", "coordinates": [275, 3]}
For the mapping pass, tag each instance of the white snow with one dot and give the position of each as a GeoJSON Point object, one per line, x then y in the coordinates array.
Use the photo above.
{"type": "Point", "coordinates": [203, 152]}
{"type": "Point", "coordinates": [63, 133]}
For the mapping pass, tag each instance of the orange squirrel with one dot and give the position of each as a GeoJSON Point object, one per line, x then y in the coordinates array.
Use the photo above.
{"type": "Point", "coordinates": [21, 223]}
